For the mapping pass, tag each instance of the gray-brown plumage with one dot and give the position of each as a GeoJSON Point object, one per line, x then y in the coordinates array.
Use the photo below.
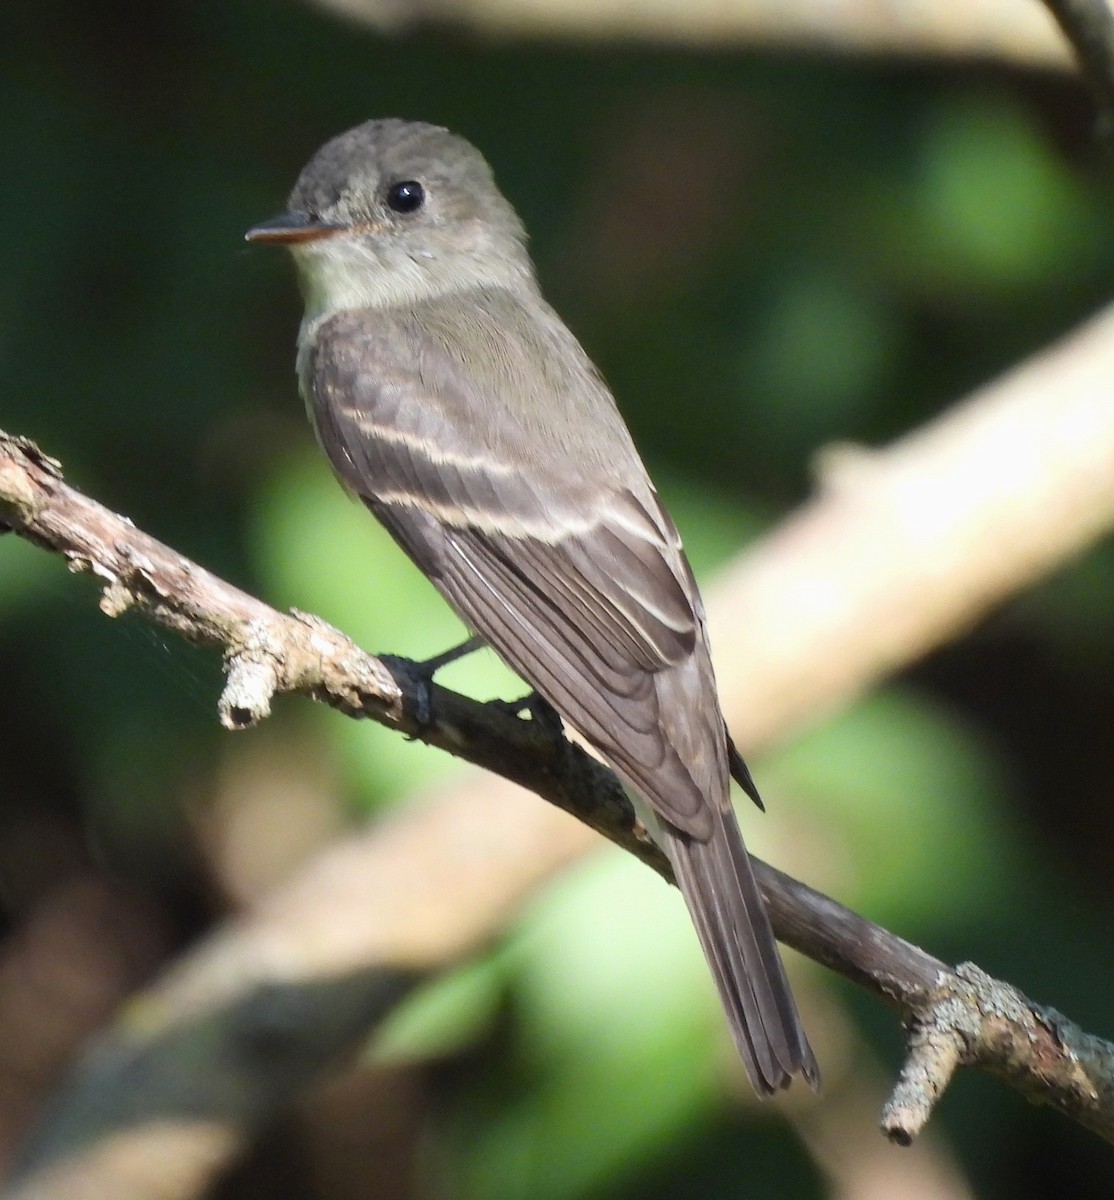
{"type": "Point", "coordinates": [456, 404]}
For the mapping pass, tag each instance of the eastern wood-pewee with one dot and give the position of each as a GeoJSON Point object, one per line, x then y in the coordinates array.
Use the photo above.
{"type": "Point", "coordinates": [453, 401]}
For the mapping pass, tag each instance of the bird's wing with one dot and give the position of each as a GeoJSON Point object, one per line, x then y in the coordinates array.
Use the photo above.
{"type": "Point", "coordinates": [566, 564]}
{"type": "Point", "coordinates": [576, 578]}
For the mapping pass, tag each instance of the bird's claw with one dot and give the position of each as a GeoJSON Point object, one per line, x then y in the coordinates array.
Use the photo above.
{"type": "Point", "coordinates": [420, 676]}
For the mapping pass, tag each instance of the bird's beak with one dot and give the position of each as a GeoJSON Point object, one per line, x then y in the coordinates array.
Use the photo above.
{"type": "Point", "coordinates": [293, 228]}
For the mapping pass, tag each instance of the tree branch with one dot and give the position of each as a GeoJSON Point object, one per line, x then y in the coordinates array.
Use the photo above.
{"type": "Point", "coordinates": [243, 1022]}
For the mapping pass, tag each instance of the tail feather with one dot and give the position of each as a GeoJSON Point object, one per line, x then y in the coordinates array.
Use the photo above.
{"type": "Point", "coordinates": [717, 881]}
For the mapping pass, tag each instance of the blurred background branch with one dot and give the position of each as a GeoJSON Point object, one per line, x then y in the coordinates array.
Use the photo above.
{"type": "Point", "coordinates": [904, 549]}
{"type": "Point", "coordinates": [1001, 30]}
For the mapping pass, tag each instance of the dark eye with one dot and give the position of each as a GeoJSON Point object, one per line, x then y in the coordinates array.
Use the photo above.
{"type": "Point", "coordinates": [406, 197]}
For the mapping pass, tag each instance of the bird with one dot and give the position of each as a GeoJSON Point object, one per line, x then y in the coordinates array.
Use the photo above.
{"type": "Point", "coordinates": [454, 402]}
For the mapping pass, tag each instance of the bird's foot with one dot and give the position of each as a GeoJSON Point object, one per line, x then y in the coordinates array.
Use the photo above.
{"type": "Point", "coordinates": [420, 675]}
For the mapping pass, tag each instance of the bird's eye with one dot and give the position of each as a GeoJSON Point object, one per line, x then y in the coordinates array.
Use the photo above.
{"type": "Point", "coordinates": [406, 197]}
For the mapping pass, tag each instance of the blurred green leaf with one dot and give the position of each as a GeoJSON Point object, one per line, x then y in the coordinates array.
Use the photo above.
{"type": "Point", "coordinates": [911, 801]}
{"type": "Point", "coordinates": [993, 205]}
{"type": "Point", "coordinates": [617, 1016]}
{"type": "Point", "coordinates": [443, 1016]}
{"type": "Point", "coordinates": [824, 347]}
{"type": "Point", "coordinates": [26, 576]}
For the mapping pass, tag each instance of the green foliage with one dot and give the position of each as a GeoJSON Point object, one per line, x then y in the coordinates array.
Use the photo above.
{"type": "Point", "coordinates": [993, 203]}
{"type": "Point", "coordinates": [27, 575]}
{"type": "Point", "coordinates": [900, 772]}
{"type": "Point", "coordinates": [611, 1002]}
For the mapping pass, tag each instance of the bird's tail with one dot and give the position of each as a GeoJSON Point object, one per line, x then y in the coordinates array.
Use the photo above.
{"type": "Point", "coordinates": [717, 881]}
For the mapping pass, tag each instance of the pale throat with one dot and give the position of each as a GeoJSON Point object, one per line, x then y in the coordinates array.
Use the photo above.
{"type": "Point", "coordinates": [341, 274]}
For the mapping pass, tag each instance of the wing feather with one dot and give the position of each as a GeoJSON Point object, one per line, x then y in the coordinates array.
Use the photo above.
{"type": "Point", "coordinates": [588, 596]}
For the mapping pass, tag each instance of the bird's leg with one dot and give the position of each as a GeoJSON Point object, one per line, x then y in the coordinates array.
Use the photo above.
{"type": "Point", "coordinates": [422, 673]}
{"type": "Point", "coordinates": [430, 666]}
